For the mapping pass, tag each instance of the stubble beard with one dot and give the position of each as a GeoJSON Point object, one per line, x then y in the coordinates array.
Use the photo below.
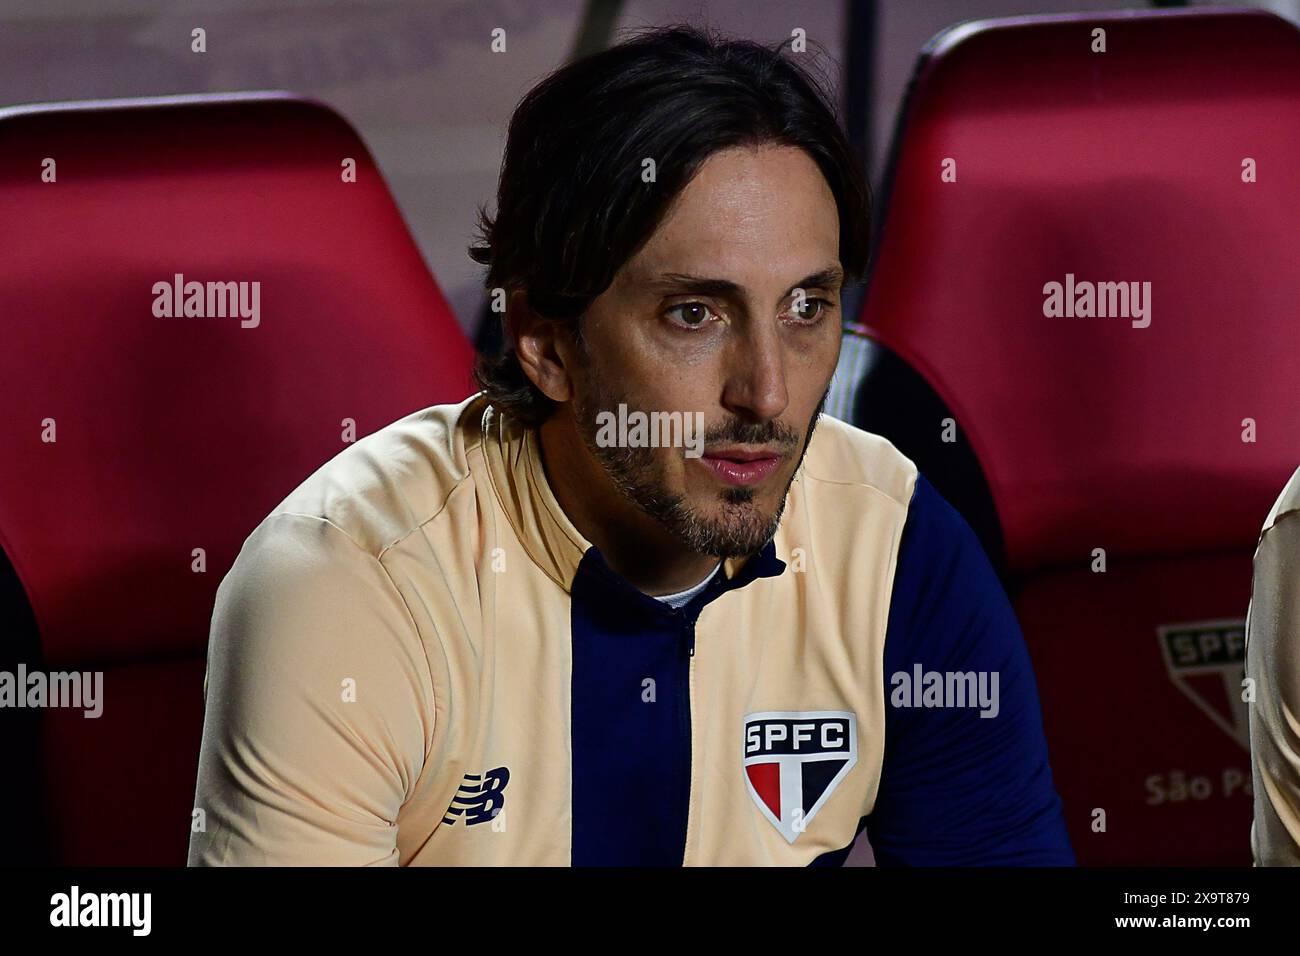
{"type": "Point", "coordinates": [741, 528]}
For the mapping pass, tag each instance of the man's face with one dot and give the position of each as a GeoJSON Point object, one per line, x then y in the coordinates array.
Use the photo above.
{"type": "Point", "coordinates": [731, 310]}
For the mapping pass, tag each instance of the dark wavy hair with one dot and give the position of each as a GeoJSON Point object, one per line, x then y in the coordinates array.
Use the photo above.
{"type": "Point", "coordinates": [571, 204]}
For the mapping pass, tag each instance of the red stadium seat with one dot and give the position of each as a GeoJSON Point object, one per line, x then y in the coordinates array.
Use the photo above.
{"type": "Point", "coordinates": [1096, 432]}
{"type": "Point", "coordinates": [179, 433]}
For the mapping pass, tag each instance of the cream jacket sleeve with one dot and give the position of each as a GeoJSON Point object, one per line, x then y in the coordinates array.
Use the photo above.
{"type": "Point", "coordinates": [1273, 662]}
{"type": "Point", "coordinates": [319, 705]}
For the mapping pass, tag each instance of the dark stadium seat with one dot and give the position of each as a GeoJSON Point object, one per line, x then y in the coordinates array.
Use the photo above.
{"type": "Point", "coordinates": [175, 435]}
{"type": "Point", "coordinates": [1076, 433]}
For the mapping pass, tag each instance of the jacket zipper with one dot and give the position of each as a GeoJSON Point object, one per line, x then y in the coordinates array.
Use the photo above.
{"type": "Point", "coordinates": [688, 703]}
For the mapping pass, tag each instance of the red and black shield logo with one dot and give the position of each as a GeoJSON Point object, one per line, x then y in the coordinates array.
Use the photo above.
{"type": "Point", "coordinates": [794, 760]}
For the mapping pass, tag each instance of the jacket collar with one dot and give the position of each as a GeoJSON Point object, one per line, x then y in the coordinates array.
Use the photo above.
{"type": "Point", "coordinates": [514, 464]}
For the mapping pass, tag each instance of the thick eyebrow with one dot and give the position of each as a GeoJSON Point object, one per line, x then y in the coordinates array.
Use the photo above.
{"type": "Point", "coordinates": [832, 277]}
{"type": "Point", "coordinates": [829, 278]}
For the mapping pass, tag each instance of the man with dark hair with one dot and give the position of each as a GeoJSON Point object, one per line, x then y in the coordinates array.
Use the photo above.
{"type": "Point", "coordinates": [632, 603]}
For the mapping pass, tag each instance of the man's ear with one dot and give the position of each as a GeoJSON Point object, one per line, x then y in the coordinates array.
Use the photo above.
{"type": "Point", "coordinates": [540, 347]}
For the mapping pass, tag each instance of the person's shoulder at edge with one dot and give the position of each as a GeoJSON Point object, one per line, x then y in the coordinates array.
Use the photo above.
{"type": "Point", "coordinates": [1287, 505]}
{"type": "Point", "coordinates": [1273, 665]}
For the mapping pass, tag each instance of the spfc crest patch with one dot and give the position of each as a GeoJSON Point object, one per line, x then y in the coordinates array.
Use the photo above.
{"type": "Point", "coordinates": [794, 760]}
{"type": "Point", "coordinates": [1206, 661]}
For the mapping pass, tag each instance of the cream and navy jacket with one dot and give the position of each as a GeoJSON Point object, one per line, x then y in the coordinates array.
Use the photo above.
{"type": "Point", "coordinates": [417, 659]}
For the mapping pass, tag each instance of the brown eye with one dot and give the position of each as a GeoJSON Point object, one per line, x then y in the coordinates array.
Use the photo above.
{"type": "Point", "coordinates": [813, 310]}
{"type": "Point", "coordinates": [691, 314]}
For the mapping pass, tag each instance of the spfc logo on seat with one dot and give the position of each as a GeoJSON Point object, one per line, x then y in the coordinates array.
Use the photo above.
{"type": "Point", "coordinates": [794, 760]}
{"type": "Point", "coordinates": [1207, 662]}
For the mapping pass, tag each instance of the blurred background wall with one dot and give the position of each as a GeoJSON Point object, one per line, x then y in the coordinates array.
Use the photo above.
{"type": "Point", "coordinates": [420, 83]}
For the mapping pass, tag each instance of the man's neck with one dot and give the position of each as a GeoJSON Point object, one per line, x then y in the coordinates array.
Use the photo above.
{"type": "Point", "coordinates": [633, 544]}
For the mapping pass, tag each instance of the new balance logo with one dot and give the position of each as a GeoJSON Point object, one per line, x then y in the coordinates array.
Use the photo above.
{"type": "Point", "coordinates": [479, 798]}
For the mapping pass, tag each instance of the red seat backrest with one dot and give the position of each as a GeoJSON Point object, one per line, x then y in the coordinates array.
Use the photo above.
{"type": "Point", "coordinates": [1117, 166]}
{"type": "Point", "coordinates": [176, 434]}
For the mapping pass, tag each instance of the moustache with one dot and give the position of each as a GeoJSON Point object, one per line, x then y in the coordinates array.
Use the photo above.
{"type": "Point", "coordinates": [737, 432]}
